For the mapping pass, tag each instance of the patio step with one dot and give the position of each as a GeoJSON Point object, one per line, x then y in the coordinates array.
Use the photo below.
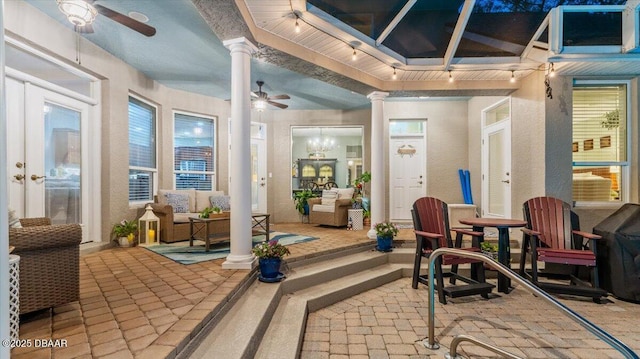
{"type": "Point", "coordinates": [283, 338]}
{"type": "Point", "coordinates": [269, 320]}
{"type": "Point", "coordinates": [239, 333]}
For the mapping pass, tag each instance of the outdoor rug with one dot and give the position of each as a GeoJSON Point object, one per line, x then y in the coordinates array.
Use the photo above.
{"type": "Point", "coordinates": [183, 254]}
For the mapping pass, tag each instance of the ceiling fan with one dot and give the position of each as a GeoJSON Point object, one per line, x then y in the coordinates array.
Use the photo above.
{"type": "Point", "coordinates": [81, 14]}
{"type": "Point", "coordinates": [262, 98]}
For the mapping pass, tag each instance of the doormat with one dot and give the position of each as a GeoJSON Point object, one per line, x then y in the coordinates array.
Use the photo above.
{"type": "Point", "coordinates": [183, 254]}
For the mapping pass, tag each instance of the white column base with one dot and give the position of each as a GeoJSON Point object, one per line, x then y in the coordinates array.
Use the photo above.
{"type": "Point", "coordinates": [372, 234]}
{"type": "Point", "coordinates": [240, 262]}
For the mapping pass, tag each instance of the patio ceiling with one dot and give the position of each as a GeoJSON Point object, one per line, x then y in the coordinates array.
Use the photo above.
{"type": "Point", "coordinates": [483, 43]}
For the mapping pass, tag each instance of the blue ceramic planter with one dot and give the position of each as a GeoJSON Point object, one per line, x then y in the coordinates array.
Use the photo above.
{"type": "Point", "coordinates": [384, 244]}
{"type": "Point", "coordinates": [269, 267]}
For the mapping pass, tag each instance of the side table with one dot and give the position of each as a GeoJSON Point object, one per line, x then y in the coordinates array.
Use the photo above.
{"type": "Point", "coordinates": [14, 296]}
{"type": "Point", "coordinates": [356, 218]}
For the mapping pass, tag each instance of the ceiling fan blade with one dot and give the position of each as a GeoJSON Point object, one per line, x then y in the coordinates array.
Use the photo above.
{"type": "Point", "coordinates": [136, 25]}
{"type": "Point", "coordinates": [280, 105]}
{"type": "Point", "coordinates": [280, 97]}
{"type": "Point", "coordinates": [253, 94]}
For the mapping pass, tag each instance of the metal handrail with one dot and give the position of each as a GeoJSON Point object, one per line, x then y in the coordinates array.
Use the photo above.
{"type": "Point", "coordinates": [592, 328]}
{"type": "Point", "coordinates": [453, 349]}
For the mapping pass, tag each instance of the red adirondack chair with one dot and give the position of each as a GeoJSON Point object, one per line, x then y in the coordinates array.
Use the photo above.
{"type": "Point", "coordinates": [553, 236]}
{"type": "Point", "coordinates": [431, 226]}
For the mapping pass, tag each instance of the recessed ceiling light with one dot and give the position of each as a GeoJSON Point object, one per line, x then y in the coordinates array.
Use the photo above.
{"type": "Point", "coordinates": [138, 16]}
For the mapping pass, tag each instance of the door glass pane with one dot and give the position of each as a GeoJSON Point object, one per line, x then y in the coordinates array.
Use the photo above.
{"type": "Point", "coordinates": [497, 114]}
{"type": "Point", "coordinates": [496, 187]}
{"type": "Point", "coordinates": [254, 176]}
{"type": "Point", "coordinates": [62, 154]}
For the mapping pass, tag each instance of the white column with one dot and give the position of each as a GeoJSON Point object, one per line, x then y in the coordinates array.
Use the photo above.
{"type": "Point", "coordinates": [240, 168]}
{"type": "Point", "coordinates": [377, 203]}
{"type": "Point", "coordinates": [4, 216]}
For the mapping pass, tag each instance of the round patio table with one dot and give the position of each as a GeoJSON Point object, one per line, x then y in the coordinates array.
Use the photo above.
{"type": "Point", "coordinates": [504, 250]}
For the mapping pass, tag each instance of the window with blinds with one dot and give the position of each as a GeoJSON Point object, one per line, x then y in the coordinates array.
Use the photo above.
{"type": "Point", "coordinates": [142, 150]}
{"type": "Point", "coordinates": [599, 142]}
{"type": "Point", "coordinates": [193, 146]}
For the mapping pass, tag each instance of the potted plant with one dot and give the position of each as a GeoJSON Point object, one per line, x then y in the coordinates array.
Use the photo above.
{"type": "Point", "coordinates": [208, 211]}
{"type": "Point", "coordinates": [360, 181]}
{"type": "Point", "coordinates": [300, 198]}
{"type": "Point", "coordinates": [385, 231]}
{"type": "Point", "coordinates": [125, 232]}
{"type": "Point", "coordinates": [366, 217]}
{"type": "Point", "coordinates": [269, 259]}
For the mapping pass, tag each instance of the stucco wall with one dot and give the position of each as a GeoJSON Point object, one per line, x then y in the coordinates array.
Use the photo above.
{"type": "Point", "coordinates": [528, 143]}
{"type": "Point", "coordinates": [447, 148]}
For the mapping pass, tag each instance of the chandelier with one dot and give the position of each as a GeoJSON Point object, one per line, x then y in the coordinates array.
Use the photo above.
{"type": "Point", "coordinates": [317, 146]}
{"type": "Point", "coordinates": [78, 12]}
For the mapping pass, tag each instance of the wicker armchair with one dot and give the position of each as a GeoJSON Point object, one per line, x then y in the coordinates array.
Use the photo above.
{"type": "Point", "coordinates": [49, 262]}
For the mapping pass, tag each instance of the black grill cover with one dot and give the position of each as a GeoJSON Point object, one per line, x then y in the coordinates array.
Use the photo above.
{"type": "Point", "coordinates": [619, 252]}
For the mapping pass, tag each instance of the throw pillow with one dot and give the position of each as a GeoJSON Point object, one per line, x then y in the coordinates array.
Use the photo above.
{"type": "Point", "coordinates": [14, 221]}
{"type": "Point", "coordinates": [329, 197]}
{"type": "Point", "coordinates": [221, 201]}
{"type": "Point", "coordinates": [179, 202]}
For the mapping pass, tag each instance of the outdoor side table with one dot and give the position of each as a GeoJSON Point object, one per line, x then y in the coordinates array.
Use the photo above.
{"type": "Point", "coordinates": [356, 218]}
{"type": "Point", "coordinates": [14, 296]}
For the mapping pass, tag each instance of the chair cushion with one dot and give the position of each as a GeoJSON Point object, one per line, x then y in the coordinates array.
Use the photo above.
{"type": "Point", "coordinates": [329, 197]}
{"type": "Point", "coordinates": [327, 208]}
{"type": "Point", "coordinates": [202, 199]}
{"type": "Point", "coordinates": [183, 217]}
{"type": "Point", "coordinates": [345, 193]}
{"type": "Point", "coordinates": [14, 221]}
{"type": "Point", "coordinates": [221, 201]}
{"type": "Point", "coordinates": [190, 192]}
{"type": "Point", "coordinates": [179, 202]}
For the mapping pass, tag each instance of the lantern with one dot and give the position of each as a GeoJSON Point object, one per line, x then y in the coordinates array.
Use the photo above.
{"type": "Point", "coordinates": [148, 228]}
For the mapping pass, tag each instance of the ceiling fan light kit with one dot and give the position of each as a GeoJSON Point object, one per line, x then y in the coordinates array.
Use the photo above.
{"type": "Point", "coordinates": [78, 12]}
{"type": "Point", "coordinates": [262, 99]}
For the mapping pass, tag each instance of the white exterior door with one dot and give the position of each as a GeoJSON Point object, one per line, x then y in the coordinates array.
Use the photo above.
{"type": "Point", "coordinates": [407, 179]}
{"type": "Point", "coordinates": [47, 161]}
{"type": "Point", "coordinates": [496, 169]}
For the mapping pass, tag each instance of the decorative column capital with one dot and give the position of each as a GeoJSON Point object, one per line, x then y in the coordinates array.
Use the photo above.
{"type": "Point", "coordinates": [240, 44]}
{"type": "Point", "coordinates": [377, 96]}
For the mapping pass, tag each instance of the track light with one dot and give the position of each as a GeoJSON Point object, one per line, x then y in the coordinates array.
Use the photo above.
{"type": "Point", "coordinates": [450, 77]}
{"type": "Point", "coordinates": [354, 57]}
{"type": "Point", "coordinates": [552, 71]}
{"type": "Point", "coordinates": [297, 29]}
{"type": "Point", "coordinates": [513, 77]}
{"type": "Point", "coordinates": [395, 76]}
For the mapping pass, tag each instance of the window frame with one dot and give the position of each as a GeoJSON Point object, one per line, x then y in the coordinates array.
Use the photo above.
{"type": "Point", "coordinates": [214, 153]}
{"type": "Point", "coordinates": [153, 171]}
{"type": "Point", "coordinates": [625, 166]}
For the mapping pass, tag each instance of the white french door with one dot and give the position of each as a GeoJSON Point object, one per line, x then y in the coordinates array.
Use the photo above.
{"type": "Point", "coordinates": [496, 170]}
{"type": "Point", "coordinates": [407, 180]}
{"type": "Point", "coordinates": [259, 172]}
{"type": "Point", "coordinates": [47, 160]}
